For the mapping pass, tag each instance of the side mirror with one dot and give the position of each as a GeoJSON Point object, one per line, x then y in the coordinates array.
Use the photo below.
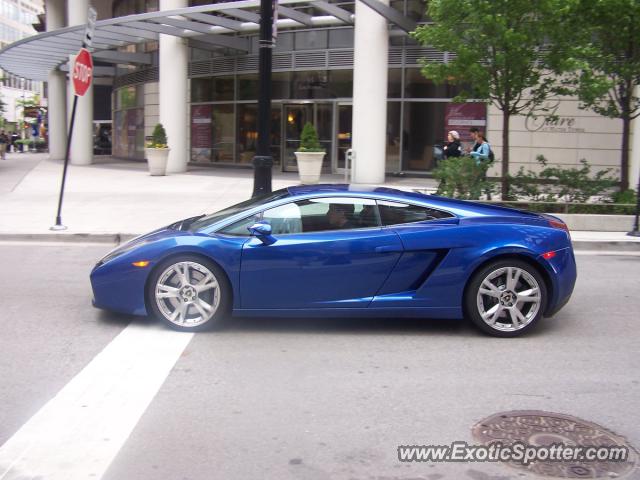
{"type": "Point", "coordinates": [262, 231]}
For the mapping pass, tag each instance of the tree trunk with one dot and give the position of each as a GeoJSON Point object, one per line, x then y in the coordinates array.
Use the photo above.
{"type": "Point", "coordinates": [505, 154]}
{"type": "Point", "coordinates": [624, 157]}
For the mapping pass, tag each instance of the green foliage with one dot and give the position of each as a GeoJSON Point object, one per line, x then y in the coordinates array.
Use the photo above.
{"type": "Point", "coordinates": [558, 184]}
{"type": "Point", "coordinates": [627, 196]}
{"type": "Point", "coordinates": [602, 62]}
{"type": "Point", "coordinates": [603, 58]}
{"type": "Point", "coordinates": [462, 177]}
{"type": "Point", "coordinates": [559, 207]}
{"type": "Point", "coordinates": [501, 54]}
{"type": "Point", "coordinates": [309, 139]}
{"type": "Point", "coordinates": [497, 46]}
{"type": "Point", "coordinates": [158, 137]}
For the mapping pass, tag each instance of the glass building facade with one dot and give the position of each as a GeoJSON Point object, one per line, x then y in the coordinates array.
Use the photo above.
{"type": "Point", "coordinates": [312, 81]}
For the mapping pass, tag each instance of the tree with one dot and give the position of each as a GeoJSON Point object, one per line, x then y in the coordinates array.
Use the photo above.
{"type": "Point", "coordinates": [604, 58]}
{"type": "Point", "coordinates": [500, 55]}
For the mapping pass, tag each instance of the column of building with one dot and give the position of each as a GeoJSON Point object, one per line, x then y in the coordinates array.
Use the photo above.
{"type": "Point", "coordinates": [174, 57]}
{"type": "Point", "coordinates": [56, 88]}
{"type": "Point", "coordinates": [81, 152]}
{"type": "Point", "coordinates": [370, 71]}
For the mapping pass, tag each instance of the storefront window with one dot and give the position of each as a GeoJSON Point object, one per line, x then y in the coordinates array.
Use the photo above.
{"type": "Point", "coordinates": [130, 97]}
{"type": "Point", "coordinates": [281, 85]}
{"type": "Point", "coordinates": [128, 135]}
{"type": "Point", "coordinates": [311, 40]}
{"type": "Point", "coordinates": [422, 130]}
{"type": "Point", "coordinates": [248, 87]}
{"type": "Point", "coordinates": [201, 90]}
{"type": "Point", "coordinates": [284, 42]}
{"type": "Point", "coordinates": [394, 83]}
{"type": "Point", "coordinates": [393, 137]}
{"type": "Point", "coordinates": [216, 89]}
{"type": "Point", "coordinates": [341, 83]}
{"type": "Point", "coordinates": [341, 38]}
{"type": "Point", "coordinates": [310, 85]}
{"type": "Point", "coordinates": [417, 86]}
{"type": "Point", "coordinates": [247, 133]}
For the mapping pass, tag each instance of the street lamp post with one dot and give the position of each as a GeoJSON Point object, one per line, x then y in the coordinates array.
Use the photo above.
{"type": "Point", "coordinates": [263, 161]}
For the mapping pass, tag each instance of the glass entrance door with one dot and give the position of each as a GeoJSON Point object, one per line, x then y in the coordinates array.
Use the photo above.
{"type": "Point", "coordinates": [295, 116]}
{"type": "Point", "coordinates": [343, 135]}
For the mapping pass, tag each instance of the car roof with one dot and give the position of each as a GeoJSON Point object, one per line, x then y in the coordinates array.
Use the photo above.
{"type": "Point", "coordinates": [458, 207]}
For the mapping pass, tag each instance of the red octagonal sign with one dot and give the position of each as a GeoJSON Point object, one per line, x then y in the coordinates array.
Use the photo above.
{"type": "Point", "coordinates": [82, 72]}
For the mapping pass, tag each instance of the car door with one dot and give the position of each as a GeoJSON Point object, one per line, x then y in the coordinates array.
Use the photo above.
{"type": "Point", "coordinates": [427, 236]}
{"type": "Point", "coordinates": [323, 252]}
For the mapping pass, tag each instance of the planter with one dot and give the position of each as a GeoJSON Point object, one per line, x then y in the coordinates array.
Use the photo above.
{"type": "Point", "coordinates": [157, 160]}
{"type": "Point", "coordinates": [309, 166]}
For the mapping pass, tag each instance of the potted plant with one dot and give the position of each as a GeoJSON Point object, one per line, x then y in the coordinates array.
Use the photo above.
{"type": "Point", "coordinates": [310, 155]}
{"type": "Point", "coordinates": [157, 151]}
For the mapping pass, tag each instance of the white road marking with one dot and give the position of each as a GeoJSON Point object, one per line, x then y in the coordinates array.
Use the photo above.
{"type": "Point", "coordinates": [77, 434]}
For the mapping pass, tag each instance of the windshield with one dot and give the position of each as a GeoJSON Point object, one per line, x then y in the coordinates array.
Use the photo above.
{"type": "Point", "coordinates": [208, 220]}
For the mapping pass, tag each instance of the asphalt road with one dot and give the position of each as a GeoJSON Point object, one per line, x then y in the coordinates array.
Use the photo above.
{"type": "Point", "coordinates": [319, 399]}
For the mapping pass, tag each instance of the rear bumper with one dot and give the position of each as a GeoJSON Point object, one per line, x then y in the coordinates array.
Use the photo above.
{"type": "Point", "coordinates": [563, 273]}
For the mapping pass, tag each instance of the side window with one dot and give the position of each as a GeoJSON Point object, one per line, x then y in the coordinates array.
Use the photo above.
{"type": "Point", "coordinates": [284, 219]}
{"type": "Point", "coordinates": [393, 213]}
{"type": "Point", "coordinates": [241, 227]}
{"type": "Point", "coordinates": [338, 213]}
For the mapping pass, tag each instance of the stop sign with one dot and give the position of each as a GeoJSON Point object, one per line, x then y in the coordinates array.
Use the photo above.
{"type": "Point", "coordinates": [82, 72]}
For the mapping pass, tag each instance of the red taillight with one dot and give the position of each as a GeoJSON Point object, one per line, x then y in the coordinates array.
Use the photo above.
{"type": "Point", "coordinates": [548, 255]}
{"type": "Point", "coordinates": [558, 224]}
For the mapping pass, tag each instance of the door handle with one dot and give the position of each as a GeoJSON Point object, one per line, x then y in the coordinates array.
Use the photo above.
{"type": "Point", "coordinates": [388, 249]}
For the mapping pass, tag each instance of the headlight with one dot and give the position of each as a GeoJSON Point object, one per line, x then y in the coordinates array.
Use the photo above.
{"type": "Point", "coordinates": [121, 250]}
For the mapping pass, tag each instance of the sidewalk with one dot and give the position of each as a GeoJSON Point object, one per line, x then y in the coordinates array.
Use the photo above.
{"type": "Point", "coordinates": [115, 199]}
{"type": "Point", "coordinates": [120, 197]}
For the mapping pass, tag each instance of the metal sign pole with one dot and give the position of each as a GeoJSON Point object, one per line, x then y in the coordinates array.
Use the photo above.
{"type": "Point", "coordinates": [263, 162]}
{"type": "Point", "coordinates": [86, 43]}
{"type": "Point", "coordinates": [59, 225]}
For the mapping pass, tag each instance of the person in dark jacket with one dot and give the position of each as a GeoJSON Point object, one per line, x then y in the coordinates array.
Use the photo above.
{"type": "Point", "coordinates": [452, 147]}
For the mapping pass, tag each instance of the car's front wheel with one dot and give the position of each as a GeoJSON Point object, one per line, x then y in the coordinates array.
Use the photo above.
{"type": "Point", "coordinates": [506, 298]}
{"type": "Point", "coordinates": [188, 293]}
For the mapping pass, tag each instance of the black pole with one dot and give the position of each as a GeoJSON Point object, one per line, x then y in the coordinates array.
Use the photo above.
{"type": "Point", "coordinates": [636, 228]}
{"type": "Point", "coordinates": [59, 225]}
{"type": "Point", "coordinates": [263, 161]}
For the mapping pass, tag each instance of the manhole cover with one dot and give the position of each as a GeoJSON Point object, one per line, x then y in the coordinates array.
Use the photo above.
{"type": "Point", "coordinates": [538, 428]}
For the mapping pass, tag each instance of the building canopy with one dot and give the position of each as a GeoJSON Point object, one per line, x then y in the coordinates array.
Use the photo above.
{"type": "Point", "coordinates": [214, 26]}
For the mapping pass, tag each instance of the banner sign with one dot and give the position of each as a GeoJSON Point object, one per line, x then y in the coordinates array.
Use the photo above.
{"type": "Point", "coordinates": [201, 131]}
{"type": "Point", "coordinates": [461, 117]}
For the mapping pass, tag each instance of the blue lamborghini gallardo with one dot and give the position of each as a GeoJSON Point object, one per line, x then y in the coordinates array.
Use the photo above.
{"type": "Point", "coordinates": [340, 250]}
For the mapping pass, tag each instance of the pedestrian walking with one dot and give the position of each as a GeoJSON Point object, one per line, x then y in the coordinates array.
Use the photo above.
{"type": "Point", "coordinates": [482, 154]}
{"type": "Point", "coordinates": [452, 147]}
{"type": "Point", "coordinates": [4, 142]}
{"type": "Point", "coordinates": [481, 149]}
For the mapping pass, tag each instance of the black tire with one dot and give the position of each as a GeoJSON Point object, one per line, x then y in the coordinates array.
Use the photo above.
{"type": "Point", "coordinates": [224, 294]}
{"type": "Point", "coordinates": [505, 301]}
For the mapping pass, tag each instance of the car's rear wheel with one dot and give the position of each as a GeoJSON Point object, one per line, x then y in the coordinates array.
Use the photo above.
{"type": "Point", "coordinates": [188, 293]}
{"type": "Point", "coordinates": [506, 298]}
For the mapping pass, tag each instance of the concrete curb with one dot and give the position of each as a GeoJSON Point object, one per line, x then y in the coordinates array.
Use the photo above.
{"type": "Point", "coordinates": [115, 238]}
{"type": "Point", "coordinates": [118, 238]}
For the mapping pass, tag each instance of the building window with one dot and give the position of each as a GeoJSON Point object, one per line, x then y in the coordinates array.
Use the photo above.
{"type": "Point", "coordinates": [128, 126]}
{"type": "Point", "coordinates": [394, 136]}
{"type": "Point", "coordinates": [311, 40]}
{"type": "Point", "coordinates": [216, 89]}
{"type": "Point", "coordinates": [423, 129]}
{"type": "Point", "coordinates": [311, 85]}
{"type": "Point", "coordinates": [394, 83]}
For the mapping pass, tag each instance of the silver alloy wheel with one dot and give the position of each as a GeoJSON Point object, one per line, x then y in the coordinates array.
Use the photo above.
{"type": "Point", "coordinates": [187, 294]}
{"type": "Point", "coordinates": [508, 299]}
